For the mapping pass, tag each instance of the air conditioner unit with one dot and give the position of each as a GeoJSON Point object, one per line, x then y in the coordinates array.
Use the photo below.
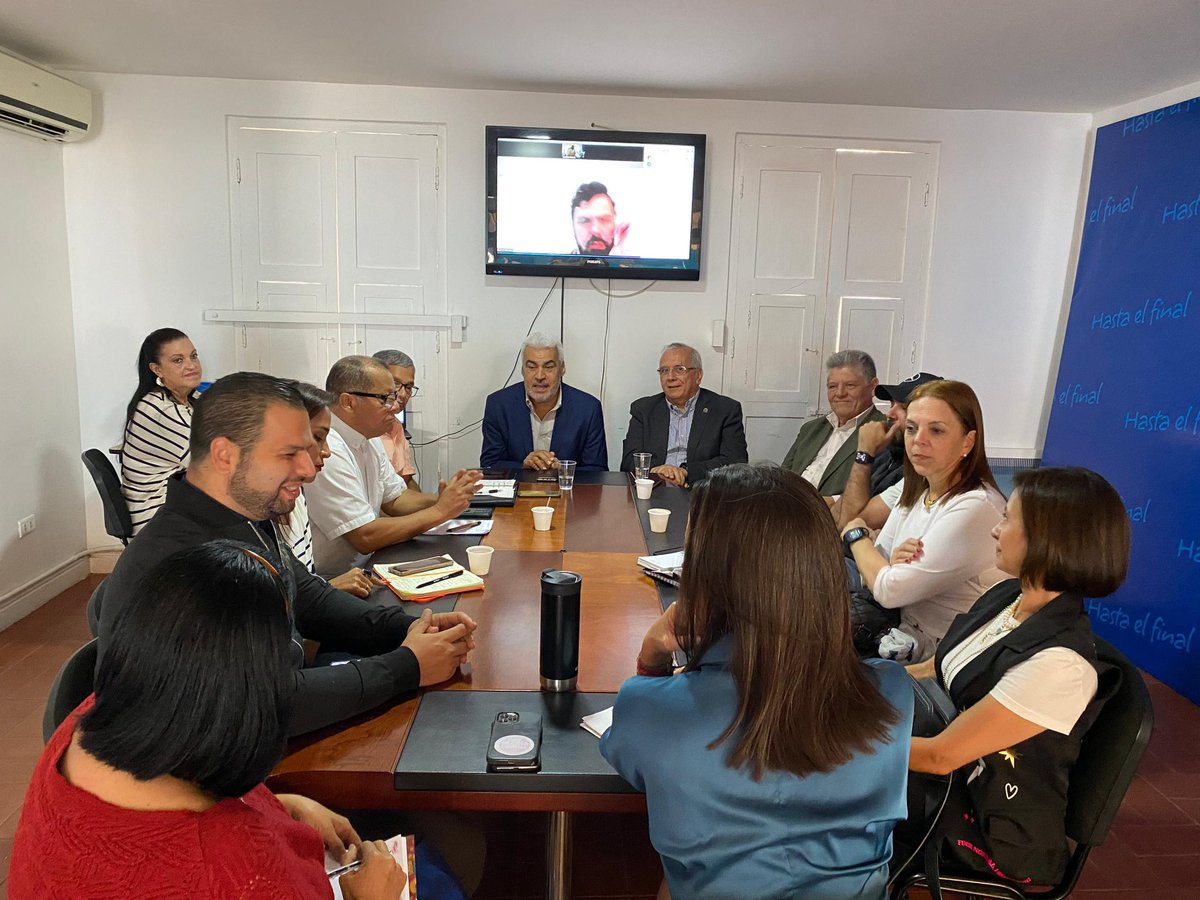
{"type": "Point", "coordinates": [41, 104]}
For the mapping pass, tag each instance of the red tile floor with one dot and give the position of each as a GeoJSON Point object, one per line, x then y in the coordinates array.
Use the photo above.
{"type": "Point", "coordinates": [1153, 850]}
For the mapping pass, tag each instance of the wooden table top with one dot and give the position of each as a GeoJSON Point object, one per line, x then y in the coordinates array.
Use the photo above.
{"type": "Point", "coordinates": [595, 532]}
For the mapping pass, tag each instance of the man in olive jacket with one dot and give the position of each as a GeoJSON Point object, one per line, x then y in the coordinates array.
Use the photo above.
{"type": "Point", "coordinates": [823, 452]}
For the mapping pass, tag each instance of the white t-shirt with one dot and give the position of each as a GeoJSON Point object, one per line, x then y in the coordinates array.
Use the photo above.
{"type": "Point", "coordinates": [1051, 689]}
{"type": "Point", "coordinates": [348, 493]}
{"type": "Point", "coordinates": [957, 566]}
{"type": "Point", "coordinates": [891, 495]}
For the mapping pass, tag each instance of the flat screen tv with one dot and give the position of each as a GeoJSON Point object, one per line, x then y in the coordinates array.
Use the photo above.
{"type": "Point", "coordinates": [581, 203]}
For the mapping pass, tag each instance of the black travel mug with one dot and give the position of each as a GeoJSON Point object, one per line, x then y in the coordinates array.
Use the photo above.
{"type": "Point", "coordinates": [560, 629]}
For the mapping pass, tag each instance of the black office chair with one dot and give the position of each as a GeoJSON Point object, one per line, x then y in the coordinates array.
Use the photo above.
{"type": "Point", "coordinates": [1108, 759]}
{"type": "Point", "coordinates": [116, 512]}
{"type": "Point", "coordinates": [71, 686]}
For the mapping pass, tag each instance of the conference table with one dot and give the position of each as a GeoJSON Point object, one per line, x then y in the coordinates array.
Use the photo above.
{"type": "Point", "coordinates": [400, 756]}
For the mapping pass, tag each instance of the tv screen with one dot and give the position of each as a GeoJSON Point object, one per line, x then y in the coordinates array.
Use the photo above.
{"type": "Point", "coordinates": [579, 203]}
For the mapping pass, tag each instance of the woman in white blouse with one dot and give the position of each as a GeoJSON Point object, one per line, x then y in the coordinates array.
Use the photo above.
{"type": "Point", "coordinates": [934, 556]}
{"type": "Point", "coordinates": [158, 421]}
{"type": "Point", "coordinates": [1021, 667]}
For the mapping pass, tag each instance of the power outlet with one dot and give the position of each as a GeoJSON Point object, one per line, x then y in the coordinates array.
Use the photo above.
{"type": "Point", "coordinates": [26, 525]}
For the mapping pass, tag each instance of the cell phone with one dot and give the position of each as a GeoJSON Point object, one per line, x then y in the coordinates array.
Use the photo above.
{"type": "Point", "coordinates": [416, 566]}
{"type": "Point", "coordinates": [476, 512]}
{"type": "Point", "coordinates": [516, 743]}
{"type": "Point", "coordinates": [496, 474]}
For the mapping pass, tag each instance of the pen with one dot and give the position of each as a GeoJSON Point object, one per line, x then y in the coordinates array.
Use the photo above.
{"type": "Point", "coordinates": [461, 526]}
{"type": "Point", "coordinates": [342, 870]}
{"type": "Point", "coordinates": [445, 577]}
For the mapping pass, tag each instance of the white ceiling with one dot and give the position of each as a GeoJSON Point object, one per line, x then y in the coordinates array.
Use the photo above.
{"type": "Point", "coordinates": [1054, 55]}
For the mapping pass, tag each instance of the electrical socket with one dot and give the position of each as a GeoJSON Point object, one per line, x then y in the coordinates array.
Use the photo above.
{"type": "Point", "coordinates": [26, 525]}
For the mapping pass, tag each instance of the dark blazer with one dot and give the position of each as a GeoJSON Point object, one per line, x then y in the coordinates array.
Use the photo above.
{"type": "Point", "coordinates": [811, 438]}
{"type": "Point", "coordinates": [717, 437]}
{"type": "Point", "coordinates": [578, 430]}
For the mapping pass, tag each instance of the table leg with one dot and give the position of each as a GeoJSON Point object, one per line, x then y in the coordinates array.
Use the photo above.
{"type": "Point", "coordinates": [558, 856]}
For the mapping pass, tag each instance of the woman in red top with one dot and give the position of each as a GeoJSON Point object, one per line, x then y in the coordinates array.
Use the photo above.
{"type": "Point", "coordinates": [153, 787]}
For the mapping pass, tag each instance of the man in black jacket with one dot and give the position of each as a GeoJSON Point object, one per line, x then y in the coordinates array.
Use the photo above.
{"type": "Point", "coordinates": [687, 430]}
{"type": "Point", "coordinates": [250, 446]}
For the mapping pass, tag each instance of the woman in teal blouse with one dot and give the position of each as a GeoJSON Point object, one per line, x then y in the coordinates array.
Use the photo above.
{"type": "Point", "coordinates": [775, 764]}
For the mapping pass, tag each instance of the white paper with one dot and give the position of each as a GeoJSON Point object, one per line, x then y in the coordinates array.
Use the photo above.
{"type": "Point", "coordinates": [397, 846]}
{"type": "Point", "coordinates": [663, 562]}
{"type": "Point", "coordinates": [500, 488]}
{"type": "Point", "coordinates": [598, 723]}
{"type": "Point", "coordinates": [464, 527]}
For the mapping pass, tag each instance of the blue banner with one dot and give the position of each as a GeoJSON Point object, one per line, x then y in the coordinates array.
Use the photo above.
{"type": "Point", "coordinates": [1127, 400]}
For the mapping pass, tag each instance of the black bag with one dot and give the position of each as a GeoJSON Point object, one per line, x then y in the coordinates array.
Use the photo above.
{"type": "Point", "coordinates": [869, 622]}
{"type": "Point", "coordinates": [933, 710]}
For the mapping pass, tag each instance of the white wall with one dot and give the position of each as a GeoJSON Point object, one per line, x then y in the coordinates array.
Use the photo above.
{"type": "Point", "coordinates": [40, 473]}
{"type": "Point", "coordinates": [148, 217]}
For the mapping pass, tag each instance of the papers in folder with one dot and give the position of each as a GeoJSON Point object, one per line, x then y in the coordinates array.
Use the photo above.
{"type": "Point", "coordinates": [665, 567]}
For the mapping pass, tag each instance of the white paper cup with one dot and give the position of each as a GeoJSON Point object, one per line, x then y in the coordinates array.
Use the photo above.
{"type": "Point", "coordinates": [658, 519]}
{"type": "Point", "coordinates": [644, 487]}
{"type": "Point", "coordinates": [541, 517]}
{"type": "Point", "coordinates": [479, 559]}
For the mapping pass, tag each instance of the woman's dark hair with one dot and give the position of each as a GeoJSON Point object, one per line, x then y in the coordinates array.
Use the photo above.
{"type": "Point", "coordinates": [196, 681]}
{"type": "Point", "coordinates": [1076, 531]}
{"type": "Point", "coordinates": [764, 565]}
{"type": "Point", "coordinates": [147, 354]}
{"type": "Point", "coordinates": [315, 398]}
{"type": "Point", "coordinates": [973, 469]}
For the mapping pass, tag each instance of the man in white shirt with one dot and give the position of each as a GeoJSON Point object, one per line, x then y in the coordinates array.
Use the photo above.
{"type": "Point", "coordinates": [358, 503]}
{"type": "Point", "coordinates": [823, 452]}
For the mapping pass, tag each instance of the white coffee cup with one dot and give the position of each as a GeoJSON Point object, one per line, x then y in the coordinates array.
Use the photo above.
{"type": "Point", "coordinates": [479, 559]}
{"type": "Point", "coordinates": [658, 519]}
{"type": "Point", "coordinates": [541, 517]}
{"type": "Point", "coordinates": [644, 487]}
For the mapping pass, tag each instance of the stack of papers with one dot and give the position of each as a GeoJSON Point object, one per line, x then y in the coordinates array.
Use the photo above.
{"type": "Point", "coordinates": [666, 567]}
{"type": "Point", "coordinates": [500, 488]}
{"type": "Point", "coordinates": [403, 850]}
{"type": "Point", "coordinates": [598, 723]}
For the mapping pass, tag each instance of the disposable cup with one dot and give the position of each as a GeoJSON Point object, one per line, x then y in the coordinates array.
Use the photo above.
{"type": "Point", "coordinates": [641, 465]}
{"type": "Point", "coordinates": [541, 517]}
{"type": "Point", "coordinates": [479, 559]}
{"type": "Point", "coordinates": [644, 487]}
{"type": "Point", "coordinates": [658, 519]}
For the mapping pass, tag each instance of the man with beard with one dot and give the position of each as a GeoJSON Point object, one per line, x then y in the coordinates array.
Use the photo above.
{"type": "Point", "coordinates": [594, 219]}
{"type": "Point", "coordinates": [250, 443]}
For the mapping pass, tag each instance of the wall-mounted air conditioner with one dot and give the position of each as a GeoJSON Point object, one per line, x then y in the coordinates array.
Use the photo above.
{"type": "Point", "coordinates": [41, 104]}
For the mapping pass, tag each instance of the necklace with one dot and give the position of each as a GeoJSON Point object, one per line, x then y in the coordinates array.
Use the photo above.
{"type": "Point", "coordinates": [930, 500]}
{"type": "Point", "coordinates": [1005, 622]}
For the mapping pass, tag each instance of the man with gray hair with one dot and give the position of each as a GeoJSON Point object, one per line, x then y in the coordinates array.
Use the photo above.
{"type": "Point", "coordinates": [534, 424]}
{"type": "Point", "coordinates": [687, 430]}
{"type": "Point", "coordinates": [823, 452]}
{"type": "Point", "coordinates": [358, 503]}
{"type": "Point", "coordinates": [397, 445]}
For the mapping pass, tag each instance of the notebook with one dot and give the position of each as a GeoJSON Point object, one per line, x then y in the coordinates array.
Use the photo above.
{"type": "Point", "coordinates": [664, 567]}
{"type": "Point", "coordinates": [418, 587]}
{"type": "Point", "coordinates": [403, 850]}
{"type": "Point", "coordinates": [495, 492]}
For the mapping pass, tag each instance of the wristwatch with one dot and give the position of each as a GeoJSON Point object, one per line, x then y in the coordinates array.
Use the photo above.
{"type": "Point", "coordinates": [854, 535]}
{"type": "Point", "coordinates": [862, 456]}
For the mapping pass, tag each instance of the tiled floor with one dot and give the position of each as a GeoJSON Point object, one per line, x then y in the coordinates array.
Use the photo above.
{"type": "Point", "coordinates": [1153, 850]}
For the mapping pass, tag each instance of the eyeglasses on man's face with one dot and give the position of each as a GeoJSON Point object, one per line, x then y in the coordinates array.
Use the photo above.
{"type": "Point", "coordinates": [386, 399]}
{"type": "Point", "coordinates": [664, 371]}
{"type": "Point", "coordinates": [410, 387]}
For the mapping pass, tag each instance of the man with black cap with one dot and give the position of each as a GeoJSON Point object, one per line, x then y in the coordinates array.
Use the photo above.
{"type": "Point", "coordinates": [877, 477]}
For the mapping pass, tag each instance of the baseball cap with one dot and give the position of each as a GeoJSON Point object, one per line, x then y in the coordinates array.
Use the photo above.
{"type": "Point", "coordinates": [898, 393]}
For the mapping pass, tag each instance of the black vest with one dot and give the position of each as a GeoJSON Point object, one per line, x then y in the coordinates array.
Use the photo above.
{"type": "Point", "coordinates": [1019, 800]}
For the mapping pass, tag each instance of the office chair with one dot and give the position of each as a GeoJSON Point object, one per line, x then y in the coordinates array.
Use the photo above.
{"type": "Point", "coordinates": [116, 513]}
{"type": "Point", "coordinates": [1108, 759]}
{"type": "Point", "coordinates": [71, 686]}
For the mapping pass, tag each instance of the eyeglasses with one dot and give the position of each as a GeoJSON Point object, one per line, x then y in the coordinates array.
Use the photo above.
{"type": "Point", "coordinates": [386, 399]}
{"type": "Point", "coordinates": [411, 387]}
{"type": "Point", "coordinates": [663, 371]}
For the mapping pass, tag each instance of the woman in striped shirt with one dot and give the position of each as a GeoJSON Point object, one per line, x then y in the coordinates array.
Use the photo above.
{"type": "Point", "coordinates": [158, 421]}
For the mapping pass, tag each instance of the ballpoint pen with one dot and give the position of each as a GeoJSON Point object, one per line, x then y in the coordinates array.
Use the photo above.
{"type": "Point", "coordinates": [342, 870]}
{"type": "Point", "coordinates": [461, 526]}
{"type": "Point", "coordinates": [445, 577]}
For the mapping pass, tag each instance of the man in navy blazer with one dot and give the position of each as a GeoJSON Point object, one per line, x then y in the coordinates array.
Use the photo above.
{"type": "Point", "coordinates": [534, 424]}
{"type": "Point", "coordinates": [687, 430]}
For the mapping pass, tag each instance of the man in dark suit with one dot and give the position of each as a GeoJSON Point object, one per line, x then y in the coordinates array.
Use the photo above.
{"type": "Point", "coordinates": [687, 430]}
{"type": "Point", "coordinates": [824, 450]}
{"type": "Point", "coordinates": [534, 424]}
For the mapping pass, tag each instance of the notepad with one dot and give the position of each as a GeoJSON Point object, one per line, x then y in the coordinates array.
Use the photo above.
{"type": "Point", "coordinates": [598, 722]}
{"type": "Point", "coordinates": [417, 587]}
{"type": "Point", "coordinates": [463, 527]}
{"type": "Point", "coordinates": [403, 850]}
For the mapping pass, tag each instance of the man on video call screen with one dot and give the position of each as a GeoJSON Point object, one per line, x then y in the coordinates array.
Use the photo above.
{"type": "Point", "coordinates": [594, 218]}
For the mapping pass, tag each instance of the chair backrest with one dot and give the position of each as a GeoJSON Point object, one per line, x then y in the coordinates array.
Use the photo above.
{"type": "Point", "coordinates": [1111, 751]}
{"type": "Point", "coordinates": [71, 687]}
{"type": "Point", "coordinates": [116, 513]}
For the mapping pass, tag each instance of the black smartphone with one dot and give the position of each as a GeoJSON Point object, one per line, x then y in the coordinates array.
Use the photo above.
{"type": "Point", "coordinates": [476, 512]}
{"type": "Point", "coordinates": [496, 474]}
{"type": "Point", "coordinates": [516, 743]}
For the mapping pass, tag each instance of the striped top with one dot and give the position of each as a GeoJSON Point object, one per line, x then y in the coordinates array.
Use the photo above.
{"type": "Point", "coordinates": [154, 449]}
{"type": "Point", "coordinates": [295, 531]}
